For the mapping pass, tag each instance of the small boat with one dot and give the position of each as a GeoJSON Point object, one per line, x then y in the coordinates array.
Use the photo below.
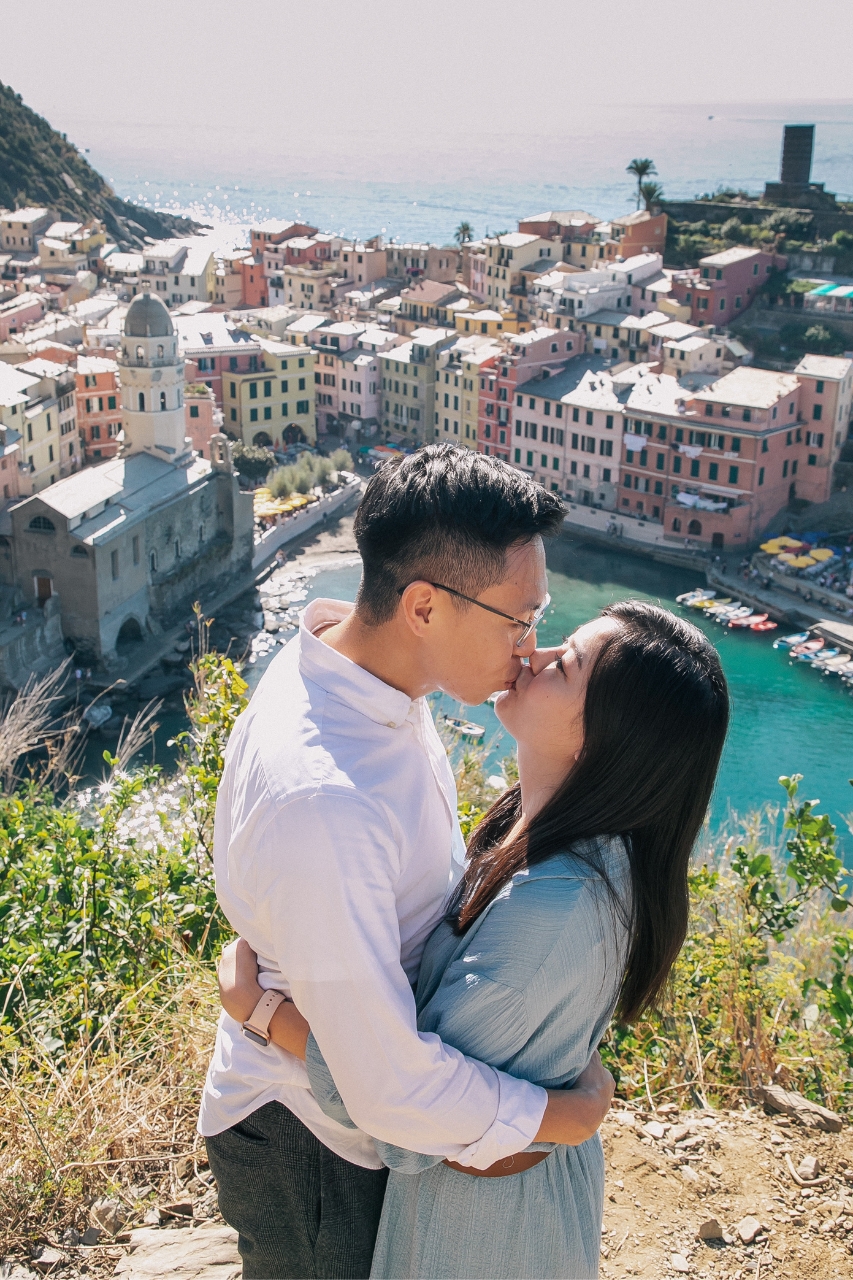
{"type": "Point", "coordinates": [766, 625]}
{"type": "Point", "coordinates": [810, 657]}
{"type": "Point", "coordinates": [466, 728]}
{"type": "Point", "coordinates": [709, 604]}
{"type": "Point", "coordinates": [735, 614]}
{"type": "Point", "coordinates": [835, 666]}
{"type": "Point", "coordinates": [785, 642]}
{"type": "Point", "coordinates": [808, 646]}
{"type": "Point", "coordinates": [698, 593]}
{"type": "Point", "coordinates": [723, 610]}
{"type": "Point", "coordinates": [748, 619]}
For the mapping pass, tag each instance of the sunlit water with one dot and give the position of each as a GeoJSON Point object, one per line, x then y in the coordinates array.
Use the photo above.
{"type": "Point", "coordinates": [785, 717]}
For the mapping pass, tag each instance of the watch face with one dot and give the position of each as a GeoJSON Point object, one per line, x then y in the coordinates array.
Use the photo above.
{"type": "Point", "coordinates": [253, 1035]}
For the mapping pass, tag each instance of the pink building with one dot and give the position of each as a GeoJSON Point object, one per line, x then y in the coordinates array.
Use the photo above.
{"type": "Point", "coordinates": [17, 312]}
{"type": "Point", "coordinates": [525, 356]}
{"type": "Point", "coordinates": [203, 419]}
{"type": "Point", "coordinates": [347, 375]}
{"type": "Point", "coordinates": [724, 284]}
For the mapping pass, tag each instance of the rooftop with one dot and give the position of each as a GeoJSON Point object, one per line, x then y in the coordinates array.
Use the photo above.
{"type": "Point", "coordinates": [632, 219]}
{"type": "Point", "coordinates": [429, 291]}
{"type": "Point", "coordinates": [64, 230]}
{"type": "Point", "coordinates": [567, 218]}
{"type": "Point", "coordinates": [832, 367]}
{"type": "Point", "coordinates": [14, 385]}
{"type": "Point", "coordinates": [26, 215]}
{"type": "Point", "coordinates": [96, 364]}
{"type": "Point", "coordinates": [565, 381]}
{"type": "Point", "coordinates": [41, 368]}
{"type": "Point", "coordinates": [514, 239]}
{"type": "Point", "coordinates": [751, 388]}
{"type": "Point", "coordinates": [675, 330]}
{"type": "Point", "coordinates": [207, 329]}
{"type": "Point", "coordinates": [728, 256]}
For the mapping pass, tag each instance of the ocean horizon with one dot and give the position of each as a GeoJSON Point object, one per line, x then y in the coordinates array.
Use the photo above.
{"type": "Point", "coordinates": [357, 183]}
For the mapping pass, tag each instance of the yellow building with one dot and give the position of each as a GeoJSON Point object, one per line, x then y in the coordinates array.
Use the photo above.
{"type": "Point", "coordinates": [490, 323]}
{"type": "Point", "coordinates": [409, 374]}
{"type": "Point", "coordinates": [457, 388]}
{"type": "Point", "coordinates": [274, 405]}
{"type": "Point", "coordinates": [50, 441]}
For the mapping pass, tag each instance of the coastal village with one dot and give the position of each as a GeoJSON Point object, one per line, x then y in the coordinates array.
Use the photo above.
{"type": "Point", "coordinates": [147, 386]}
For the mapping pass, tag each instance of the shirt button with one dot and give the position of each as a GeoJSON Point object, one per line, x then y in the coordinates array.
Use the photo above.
{"type": "Point", "coordinates": [391, 725]}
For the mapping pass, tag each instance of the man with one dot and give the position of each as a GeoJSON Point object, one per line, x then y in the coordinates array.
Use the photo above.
{"type": "Point", "coordinates": [336, 846]}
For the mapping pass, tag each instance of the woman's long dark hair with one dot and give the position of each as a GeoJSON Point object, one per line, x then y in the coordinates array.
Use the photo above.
{"type": "Point", "coordinates": [655, 719]}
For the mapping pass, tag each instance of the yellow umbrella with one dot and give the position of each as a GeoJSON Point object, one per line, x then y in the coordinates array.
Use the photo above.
{"type": "Point", "coordinates": [802, 562]}
{"type": "Point", "coordinates": [822, 553]}
{"type": "Point", "coordinates": [785, 541]}
{"type": "Point", "coordinates": [771, 547]}
{"type": "Point", "coordinates": [787, 557]}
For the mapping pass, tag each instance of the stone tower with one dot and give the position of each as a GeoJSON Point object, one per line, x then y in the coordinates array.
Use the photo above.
{"type": "Point", "coordinates": [152, 383]}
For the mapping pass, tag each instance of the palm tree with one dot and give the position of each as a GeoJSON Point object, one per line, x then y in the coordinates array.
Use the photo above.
{"type": "Point", "coordinates": [641, 169]}
{"type": "Point", "coordinates": [652, 193]}
{"type": "Point", "coordinates": [464, 233]}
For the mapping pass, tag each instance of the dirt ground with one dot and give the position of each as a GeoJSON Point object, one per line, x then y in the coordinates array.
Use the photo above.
{"type": "Point", "coordinates": [726, 1166]}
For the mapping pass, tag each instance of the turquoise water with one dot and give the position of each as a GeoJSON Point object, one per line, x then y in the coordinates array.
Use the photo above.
{"type": "Point", "coordinates": [785, 718]}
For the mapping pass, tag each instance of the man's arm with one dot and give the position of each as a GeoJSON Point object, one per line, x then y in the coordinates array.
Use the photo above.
{"type": "Point", "coordinates": [571, 1116]}
{"type": "Point", "coordinates": [325, 868]}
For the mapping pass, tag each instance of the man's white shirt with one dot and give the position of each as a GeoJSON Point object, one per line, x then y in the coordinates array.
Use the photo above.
{"type": "Point", "coordinates": [336, 846]}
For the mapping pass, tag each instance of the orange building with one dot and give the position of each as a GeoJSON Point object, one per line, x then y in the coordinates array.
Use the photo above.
{"type": "Point", "coordinates": [98, 407]}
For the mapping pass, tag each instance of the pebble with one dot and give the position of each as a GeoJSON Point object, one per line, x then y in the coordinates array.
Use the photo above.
{"type": "Point", "coordinates": [710, 1230]}
{"type": "Point", "coordinates": [654, 1129]}
{"type": "Point", "coordinates": [49, 1258]}
{"type": "Point", "coordinates": [91, 1236]}
{"type": "Point", "coordinates": [688, 1174]}
{"type": "Point", "coordinates": [109, 1215]}
{"type": "Point", "coordinates": [678, 1262]}
{"type": "Point", "coordinates": [809, 1167]}
{"type": "Point", "coordinates": [748, 1228]}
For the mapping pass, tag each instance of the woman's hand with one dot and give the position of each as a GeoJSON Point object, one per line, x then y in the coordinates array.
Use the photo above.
{"type": "Point", "coordinates": [240, 991]}
{"type": "Point", "coordinates": [573, 1115]}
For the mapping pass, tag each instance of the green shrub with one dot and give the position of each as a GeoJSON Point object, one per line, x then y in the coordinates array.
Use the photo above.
{"type": "Point", "coordinates": [252, 461]}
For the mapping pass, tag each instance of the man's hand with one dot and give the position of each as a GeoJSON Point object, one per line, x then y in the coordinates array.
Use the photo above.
{"type": "Point", "coordinates": [573, 1115]}
{"type": "Point", "coordinates": [239, 989]}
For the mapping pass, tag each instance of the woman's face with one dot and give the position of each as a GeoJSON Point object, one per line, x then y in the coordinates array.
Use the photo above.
{"type": "Point", "coordinates": [544, 710]}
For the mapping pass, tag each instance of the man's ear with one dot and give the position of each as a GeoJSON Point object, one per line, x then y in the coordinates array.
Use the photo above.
{"type": "Point", "coordinates": [418, 603]}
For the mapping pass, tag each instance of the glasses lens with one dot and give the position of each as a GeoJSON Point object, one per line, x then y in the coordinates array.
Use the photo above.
{"type": "Point", "coordinates": [534, 622]}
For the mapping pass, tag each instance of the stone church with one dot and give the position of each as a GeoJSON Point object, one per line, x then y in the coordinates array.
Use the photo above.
{"type": "Point", "coordinates": [128, 544]}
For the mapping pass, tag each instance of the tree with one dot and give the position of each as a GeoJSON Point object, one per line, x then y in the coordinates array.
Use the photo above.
{"type": "Point", "coordinates": [641, 169]}
{"type": "Point", "coordinates": [252, 461]}
{"type": "Point", "coordinates": [464, 233]}
{"type": "Point", "coordinates": [652, 193]}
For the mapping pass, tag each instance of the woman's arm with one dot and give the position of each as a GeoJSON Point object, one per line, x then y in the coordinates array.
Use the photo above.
{"type": "Point", "coordinates": [571, 1117]}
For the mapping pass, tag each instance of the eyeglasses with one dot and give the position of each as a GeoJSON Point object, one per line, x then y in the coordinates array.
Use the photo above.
{"type": "Point", "coordinates": [526, 627]}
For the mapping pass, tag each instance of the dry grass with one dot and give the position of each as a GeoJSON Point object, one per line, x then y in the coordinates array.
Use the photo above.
{"type": "Point", "coordinates": [116, 1117]}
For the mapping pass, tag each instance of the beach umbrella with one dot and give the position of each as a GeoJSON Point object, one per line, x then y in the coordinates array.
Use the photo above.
{"type": "Point", "coordinates": [822, 553]}
{"type": "Point", "coordinates": [787, 557]}
{"type": "Point", "coordinates": [785, 541]}
{"type": "Point", "coordinates": [802, 562]}
{"type": "Point", "coordinates": [772, 547]}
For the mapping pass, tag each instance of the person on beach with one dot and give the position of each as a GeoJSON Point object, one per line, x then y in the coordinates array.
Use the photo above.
{"type": "Point", "coordinates": [336, 847]}
{"type": "Point", "coordinates": [574, 902]}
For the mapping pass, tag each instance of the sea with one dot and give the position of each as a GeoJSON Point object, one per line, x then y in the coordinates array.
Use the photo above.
{"type": "Point", "coordinates": [354, 182]}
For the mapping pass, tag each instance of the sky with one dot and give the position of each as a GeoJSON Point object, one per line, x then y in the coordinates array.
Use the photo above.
{"type": "Point", "coordinates": [441, 91]}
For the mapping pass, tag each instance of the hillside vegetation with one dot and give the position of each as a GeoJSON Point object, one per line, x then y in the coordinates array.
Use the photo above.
{"type": "Point", "coordinates": [39, 166]}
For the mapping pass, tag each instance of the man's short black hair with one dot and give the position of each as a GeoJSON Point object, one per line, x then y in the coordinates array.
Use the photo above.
{"type": "Point", "coordinates": [445, 514]}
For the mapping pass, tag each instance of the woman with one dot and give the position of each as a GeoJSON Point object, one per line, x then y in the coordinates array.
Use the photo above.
{"type": "Point", "coordinates": [574, 903]}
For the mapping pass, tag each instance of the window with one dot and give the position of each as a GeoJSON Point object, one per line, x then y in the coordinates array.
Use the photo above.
{"type": "Point", "coordinates": [162, 401]}
{"type": "Point", "coordinates": [608, 422]}
{"type": "Point", "coordinates": [114, 564]}
{"type": "Point", "coordinates": [658, 487]}
{"type": "Point", "coordinates": [735, 444]}
{"type": "Point", "coordinates": [627, 482]}
{"type": "Point", "coordinates": [660, 461]}
{"type": "Point", "coordinates": [253, 390]}
{"type": "Point", "coordinates": [747, 415]}
{"type": "Point", "coordinates": [267, 388]}
{"type": "Point", "coordinates": [253, 415]}
{"type": "Point", "coordinates": [267, 412]}
{"type": "Point", "coordinates": [694, 467]}
{"type": "Point", "coordinates": [518, 455]}
{"type": "Point", "coordinates": [141, 402]}
{"type": "Point", "coordinates": [784, 468]}
{"type": "Point", "coordinates": [135, 546]}
{"type": "Point", "coordinates": [709, 411]}
{"type": "Point", "coordinates": [812, 459]}
{"type": "Point", "coordinates": [764, 446]}
{"type": "Point", "coordinates": [676, 464]}
{"type": "Point", "coordinates": [193, 410]}
{"type": "Point", "coordinates": [589, 417]}
{"type": "Point", "coordinates": [545, 461]}
{"type": "Point", "coordinates": [605, 475]}
{"type": "Point", "coordinates": [302, 406]}
{"type": "Point", "coordinates": [573, 468]}
{"type": "Point", "coordinates": [50, 454]}
{"type": "Point", "coordinates": [233, 390]}
{"type": "Point", "coordinates": [233, 415]}
{"type": "Point", "coordinates": [676, 525]}
{"type": "Point", "coordinates": [301, 386]}
{"type": "Point", "coordinates": [713, 471]}
{"type": "Point", "coordinates": [794, 466]}
{"type": "Point", "coordinates": [817, 412]}
{"type": "Point", "coordinates": [819, 387]}
{"type": "Point", "coordinates": [761, 475]}
{"type": "Point", "coordinates": [529, 458]}
{"type": "Point", "coordinates": [576, 415]}
{"type": "Point", "coordinates": [111, 402]}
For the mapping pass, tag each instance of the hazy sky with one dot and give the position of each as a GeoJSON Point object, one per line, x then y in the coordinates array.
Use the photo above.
{"type": "Point", "coordinates": [277, 96]}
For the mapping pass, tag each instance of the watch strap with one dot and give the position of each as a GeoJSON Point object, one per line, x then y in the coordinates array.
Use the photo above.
{"type": "Point", "coordinates": [257, 1026]}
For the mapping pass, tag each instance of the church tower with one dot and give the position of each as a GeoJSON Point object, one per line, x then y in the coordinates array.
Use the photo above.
{"type": "Point", "coordinates": [152, 383]}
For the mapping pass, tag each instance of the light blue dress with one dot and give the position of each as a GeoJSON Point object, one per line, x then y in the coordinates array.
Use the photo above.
{"type": "Point", "coordinates": [530, 988]}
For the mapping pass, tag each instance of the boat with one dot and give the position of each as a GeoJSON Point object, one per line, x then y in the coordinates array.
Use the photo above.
{"type": "Point", "coordinates": [835, 666]}
{"type": "Point", "coordinates": [766, 625]}
{"type": "Point", "coordinates": [711, 604]}
{"type": "Point", "coordinates": [723, 610]}
{"type": "Point", "coordinates": [785, 641]}
{"type": "Point", "coordinates": [466, 728]}
{"type": "Point", "coordinates": [809, 656]}
{"type": "Point", "coordinates": [698, 593]}
{"type": "Point", "coordinates": [732, 615]}
{"type": "Point", "coordinates": [808, 646]}
{"type": "Point", "coordinates": [748, 619]}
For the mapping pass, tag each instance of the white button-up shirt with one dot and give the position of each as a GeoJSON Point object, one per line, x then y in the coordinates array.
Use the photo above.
{"type": "Point", "coordinates": [336, 845]}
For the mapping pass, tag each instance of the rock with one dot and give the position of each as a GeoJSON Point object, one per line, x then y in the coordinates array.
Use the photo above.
{"type": "Point", "coordinates": [710, 1230]}
{"type": "Point", "coordinates": [208, 1252]}
{"type": "Point", "coordinates": [627, 1118]}
{"type": "Point", "coordinates": [49, 1258]}
{"type": "Point", "coordinates": [678, 1262]}
{"type": "Point", "coordinates": [747, 1229]}
{"type": "Point", "coordinates": [182, 1209]}
{"type": "Point", "coordinates": [688, 1174]}
{"type": "Point", "coordinates": [17, 1272]}
{"type": "Point", "coordinates": [109, 1215]}
{"type": "Point", "coordinates": [152, 1217]}
{"type": "Point", "coordinates": [809, 1167]}
{"type": "Point", "coordinates": [91, 1236]}
{"type": "Point", "coordinates": [270, 622]}
{"type": "Point", "coordinates": [71, 1237]}
{"type": "Point", "coordinates": [653, 1129]}
{"type": "Point", "coordinates": [799, 1108]}
{"type": "Point", "coordinates": [678, 1132]}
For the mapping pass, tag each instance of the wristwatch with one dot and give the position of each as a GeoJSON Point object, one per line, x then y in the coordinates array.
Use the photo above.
{"type": "Point", "coordinates": [257, 1026]}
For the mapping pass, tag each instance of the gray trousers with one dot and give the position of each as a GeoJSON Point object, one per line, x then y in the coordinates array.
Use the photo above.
{"type": "Point", "coordinates": [300, 1210]}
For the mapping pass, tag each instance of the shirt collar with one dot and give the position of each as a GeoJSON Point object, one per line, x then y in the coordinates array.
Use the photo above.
{"type": "Point", "coordinates": [342, 677]}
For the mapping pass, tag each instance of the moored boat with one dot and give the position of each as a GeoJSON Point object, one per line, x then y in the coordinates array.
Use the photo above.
{"type": "Point", "coordinates": [808, 646]}
{"type": "Point", "coordinates": [698, 593]}
{"type": "Point", "coordinates": [748, 619]}
{"type": "Point", "coordinates": [784, 642]}
{"type": "Point", "coordinates": [765, 625]}
{"type": "Point", "coordinates": [466, 728]}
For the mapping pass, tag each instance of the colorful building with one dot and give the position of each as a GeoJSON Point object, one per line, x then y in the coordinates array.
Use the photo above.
{"type": "Point", "coordinates": [98, 407]}
{"type": "Point", "coordinates": [725, 284]}
{"type": "Point", "coordinates": [410, 395]}
{"type": "Point", "coordinates": [273, 405]}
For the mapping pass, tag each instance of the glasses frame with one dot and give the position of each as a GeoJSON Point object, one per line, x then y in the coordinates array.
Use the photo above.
{"type": "Point", "coordinates": [526, 627]}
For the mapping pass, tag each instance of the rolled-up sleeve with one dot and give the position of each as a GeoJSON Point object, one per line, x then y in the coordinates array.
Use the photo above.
{"type": "Point", "coordinates": [329, 862]}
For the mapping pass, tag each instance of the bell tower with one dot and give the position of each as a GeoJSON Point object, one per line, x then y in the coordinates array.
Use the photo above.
{"type": "Point", "coordinates": [152, 383]}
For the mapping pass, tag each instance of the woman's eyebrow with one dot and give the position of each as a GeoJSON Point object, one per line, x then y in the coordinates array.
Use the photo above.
{"type": "Point", "coordinates": [570, 644]}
